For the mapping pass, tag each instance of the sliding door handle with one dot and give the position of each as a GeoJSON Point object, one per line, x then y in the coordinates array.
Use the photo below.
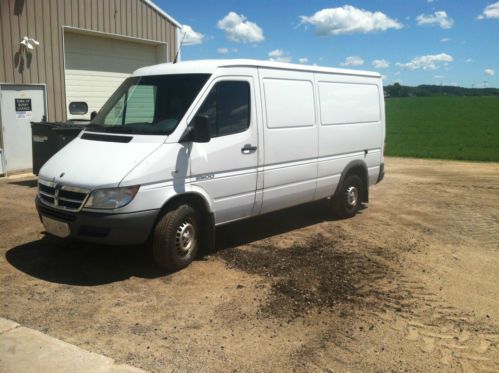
{"type": "Point", "coordinates": [248, 149]}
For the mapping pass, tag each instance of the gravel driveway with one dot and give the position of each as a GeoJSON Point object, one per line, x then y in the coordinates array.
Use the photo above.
{"type": "Point", "coordinates": [409, 284]}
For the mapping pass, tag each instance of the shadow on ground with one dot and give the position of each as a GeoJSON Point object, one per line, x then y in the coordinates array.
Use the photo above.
{"type": "Point", "coordinates": [85, 264]}
{"type": "Point", "coordinates": [31, 183]}
{"type": "Point", "coordinates": [250, 230]}
{"type": "Point", "coordinates": [81, 264]}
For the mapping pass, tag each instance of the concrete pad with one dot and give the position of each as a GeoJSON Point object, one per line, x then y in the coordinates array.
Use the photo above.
{"type": "Point", "coordinates": [6, 325]}
{"type": "Point", "coordinates": [27, 350]}
{"type": "Point", "coordinates": [20, 175]}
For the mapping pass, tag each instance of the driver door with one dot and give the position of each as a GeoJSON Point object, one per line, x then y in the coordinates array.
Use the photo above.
{"type": "Point", "coordinates": [226, 166]}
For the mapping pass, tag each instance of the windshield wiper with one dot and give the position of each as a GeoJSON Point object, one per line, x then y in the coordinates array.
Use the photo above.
{"type": "Point", "coordinates": [97, 128]}
{"type": "Point", "coordinates": [94, 126]}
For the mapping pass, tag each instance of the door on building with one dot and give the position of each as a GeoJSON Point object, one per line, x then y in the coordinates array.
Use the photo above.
{"type": "Point", "coordinates": [19, 106]}
{"type": "Point", "coordinates": [96, 65]}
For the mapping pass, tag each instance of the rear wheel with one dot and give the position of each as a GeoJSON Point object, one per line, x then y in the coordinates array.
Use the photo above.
{"type": "Point", "coordinates": [176, 238]}
{"type": "Point", "coordinates": [348, 200]}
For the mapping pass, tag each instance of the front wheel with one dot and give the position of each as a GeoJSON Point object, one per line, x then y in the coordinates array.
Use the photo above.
{"type": "Point", "coordinates": [347, 201]}
{"type": "Point", "coordinates": [176, 238]}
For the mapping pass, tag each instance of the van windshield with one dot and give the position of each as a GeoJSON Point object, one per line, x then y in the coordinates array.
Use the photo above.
{"type": "Point", "coordinates": [148, 105]}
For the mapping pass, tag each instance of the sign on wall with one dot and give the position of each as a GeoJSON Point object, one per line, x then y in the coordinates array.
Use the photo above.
{"type": "Point", "coordinates": [23, 108]}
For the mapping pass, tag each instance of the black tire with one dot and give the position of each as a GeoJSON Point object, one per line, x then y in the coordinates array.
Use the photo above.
{"type": "Point", "coordinates": [348, 200]}
{"type": "Point", "coordinates": [176, 238]}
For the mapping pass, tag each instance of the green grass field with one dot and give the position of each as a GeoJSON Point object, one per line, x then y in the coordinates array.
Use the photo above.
{"type": "Point", "coordinates": [463, 128]}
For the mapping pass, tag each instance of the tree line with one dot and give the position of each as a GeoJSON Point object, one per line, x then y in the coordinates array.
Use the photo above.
{"type": "Point", "coordinates": [398, 90]}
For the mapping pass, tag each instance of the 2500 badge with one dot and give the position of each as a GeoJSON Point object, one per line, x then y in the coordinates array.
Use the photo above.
{"type": "Point", "coordinates": [205, 177]}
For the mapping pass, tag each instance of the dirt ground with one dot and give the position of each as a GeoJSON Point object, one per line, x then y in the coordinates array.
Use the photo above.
{"type": "Point", "coordinates": [409, 284]}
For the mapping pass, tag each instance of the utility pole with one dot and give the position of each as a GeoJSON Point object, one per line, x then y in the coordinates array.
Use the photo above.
{"type": "Point", "coordinates": [484, 84]}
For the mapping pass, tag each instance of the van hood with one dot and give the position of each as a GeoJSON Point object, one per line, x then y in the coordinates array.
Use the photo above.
{"type": "Point", "coordinates": [92, 164]}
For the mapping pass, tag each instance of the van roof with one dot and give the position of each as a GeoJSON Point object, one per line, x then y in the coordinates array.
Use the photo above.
{"type": "Point", "coordinates": [209, 67]}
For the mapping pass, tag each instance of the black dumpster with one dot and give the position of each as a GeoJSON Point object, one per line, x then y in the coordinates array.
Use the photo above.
{"type": "Point", "coordinates": [50, 137]}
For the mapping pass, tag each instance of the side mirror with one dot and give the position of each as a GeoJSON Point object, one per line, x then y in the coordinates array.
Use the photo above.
{"type": "Point", "coordinates": [198, 130]}
{"type": "Point", "coordinates": [93, 114]}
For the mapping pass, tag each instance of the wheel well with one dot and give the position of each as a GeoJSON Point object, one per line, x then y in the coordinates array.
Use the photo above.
{"type": "Point", "coordinates": [200, 205]}
{"type": "Point", "coordinates": [360, 171]}
{"type": "Point", "coordinates": [193, 199]}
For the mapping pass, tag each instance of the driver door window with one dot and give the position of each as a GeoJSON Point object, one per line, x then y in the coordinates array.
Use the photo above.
{"type": "Point", "coordinates": [227, 108]}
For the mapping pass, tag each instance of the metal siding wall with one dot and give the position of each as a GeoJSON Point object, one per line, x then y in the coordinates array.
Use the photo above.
{"type": "Point", "coordinates": [23, 31]}
{"type": "Point", "coordinates": [94, 10]}
{"type": "Point", "coordinates": [88, 14]}
{"type": "Point", "coordinates": [14, 31]}
{"type": "Point", "coordinates": [31, 14]}
{"type": "Point", "coordinates": [111, 17]}
{"type": "Point", "coordinates": [46, 46]}
{"type": "Point", "coordinates": [43, 21]}
{"type": "Point", "coordinates": [2, 64]}
{"type": "Point", "coordinates": [140, 21]}
{"type": "Point", "coordinates": [40, 52]}
{"type": "Point", "coordinates": [74, 13]}
{"type": "Point", "coordinates": [61, 14]}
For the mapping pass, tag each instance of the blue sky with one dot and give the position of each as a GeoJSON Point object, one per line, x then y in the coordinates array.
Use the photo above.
{"type": "Point", "coordinates": [415, 41]}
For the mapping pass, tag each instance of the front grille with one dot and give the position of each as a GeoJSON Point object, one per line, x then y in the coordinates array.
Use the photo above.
{"type": "Point", "coordinates": [61, 196]}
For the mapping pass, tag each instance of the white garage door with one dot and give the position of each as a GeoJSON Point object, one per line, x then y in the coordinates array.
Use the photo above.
{"type": "Point", "coordinates": [96, 66]}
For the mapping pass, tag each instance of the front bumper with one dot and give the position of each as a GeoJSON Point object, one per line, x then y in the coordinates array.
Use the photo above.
{"type": "Point", "coordinates": [103, 228]}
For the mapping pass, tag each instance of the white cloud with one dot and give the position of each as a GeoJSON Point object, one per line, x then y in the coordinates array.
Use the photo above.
{"type": "Point", "coordinates": [381, 64]}
{"type": "Point", "coordinates": [349, 20]}
{"type": "Point", "coordinates": [238, 29]}
{"type": "Point", "coordinates": [489, 72]}
{"type": "Point", "coordinates": [440, 17]}
{"type": "Point", "coordinates": [303, 60]}
{"type": "Point", "coordinates": [468, 60]}
{"type": "Point", "coordinates": [491, 11]}
{"type": "Point", "coordinates": [223, 50]}
{"type": "Point", "coordinates": [189, 36]}
{"type": "Point", "coordinates": [278, 55]}
{"type": "Point", "coordinates": [428, 62]}
{"type": "Point", "coordinates": [439, 76]}
{"type": "Point", "coordinates": [384, 77]}
{"type": "Point", "coordinates": [352, 61]}
{"type": "Point", "coordinates": [445, 40]}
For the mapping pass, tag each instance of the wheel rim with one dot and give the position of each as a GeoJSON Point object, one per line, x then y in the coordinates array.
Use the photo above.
{"type": "Point", "coordinates": [352, 197]}
{"type": "Point", "coordinates": [185, 238]}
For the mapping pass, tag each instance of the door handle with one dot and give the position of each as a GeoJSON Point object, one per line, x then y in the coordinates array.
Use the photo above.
{"type": "Point", "coordinates": [248, 149]}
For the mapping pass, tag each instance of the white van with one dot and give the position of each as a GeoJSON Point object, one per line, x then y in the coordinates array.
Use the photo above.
{"type": "Point", "coordinates": [181, 148]}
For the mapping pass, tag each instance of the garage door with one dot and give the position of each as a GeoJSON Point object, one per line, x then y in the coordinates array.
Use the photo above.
{"type": "Point", "coordinates": [96, 66]}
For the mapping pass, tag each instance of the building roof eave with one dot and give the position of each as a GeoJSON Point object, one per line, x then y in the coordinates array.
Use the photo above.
{"type": "Point", "coordinates": [163, 13]}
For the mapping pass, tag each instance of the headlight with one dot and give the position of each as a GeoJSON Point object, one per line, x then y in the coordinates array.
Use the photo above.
{"type": "Point", "coordinates": [111, 198]}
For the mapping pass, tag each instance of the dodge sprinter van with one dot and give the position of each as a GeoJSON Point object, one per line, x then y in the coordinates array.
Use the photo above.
{"type": "Point", "coordinates": [181, 148]}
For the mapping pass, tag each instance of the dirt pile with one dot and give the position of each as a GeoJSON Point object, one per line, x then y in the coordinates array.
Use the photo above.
{"type": "Point", "coordinates": [318, 273]}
